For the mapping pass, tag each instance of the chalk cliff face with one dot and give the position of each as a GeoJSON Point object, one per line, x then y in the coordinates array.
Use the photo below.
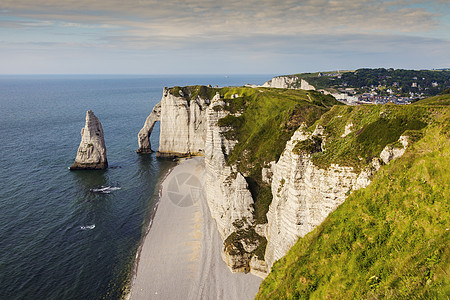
{"type": "Point", "coordinates": [183, 128]}
{"type": "Point", "coordinates": [288, 82]}
{"type": "Point", "coordinates": [283, 82]}
{"type": "Point", "coordinates": [303, 196]}
{"type": "Point", "coordinates": [183, 125]}
{"type": "Point", "coordinates": [91, 153]}
{"type": "Point", "coordinates": [226, 190]}
{"type": "Point", "coordinates": [390, 152]}
{"type": "Point", "coordinates": [228, 196]}
{"type": "Point", "coordinates": [189, 127]}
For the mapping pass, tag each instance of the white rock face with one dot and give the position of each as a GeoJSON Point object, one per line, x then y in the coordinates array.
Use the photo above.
{"type": "Point", "coordinates": [226, 190]}
{"type": "Point", "coordinates": [266, 173]}
{"type": "Point", "coordinates": [304, 85]}
{"type": "Point", "coordinates": [303, 196]}
{"type": "Point", "coordinates": [183, 126]}
{"type": "Point", "coordinates": [190, 127]}
{"type": "Point", "coordinates": [348, 129]}
{"type": "Point", "coordinates": [281, 82]}
{"type": "Point", "coordinates": [287, 82]}
{"type": "Point", "coordinates": [91, 153]}
{"type": "Point", "coordinates": [390, 152]}
{"type": "Point", "coordinates": [146, 131]}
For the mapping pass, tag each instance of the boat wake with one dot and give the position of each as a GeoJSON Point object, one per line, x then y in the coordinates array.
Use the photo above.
{"type": "Point", "coordinates": [87, 227]}
{"type": "Point", "coordinates": [105, 189]}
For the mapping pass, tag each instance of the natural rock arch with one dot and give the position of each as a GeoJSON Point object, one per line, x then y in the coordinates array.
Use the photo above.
{"type": "Point", "coordinates": [146, 131]}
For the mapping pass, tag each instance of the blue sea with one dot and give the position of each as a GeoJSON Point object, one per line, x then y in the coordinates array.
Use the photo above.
{"type": "Point", "coordinates": [58, 238]}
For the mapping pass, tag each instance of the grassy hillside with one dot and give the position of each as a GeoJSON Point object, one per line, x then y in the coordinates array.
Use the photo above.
{"type": "Point", "coordinates": [389, 240]}
{"type": "Point", "coordinates": [372, 128]}
{"type": "Point", "coordinates": [443, 99]}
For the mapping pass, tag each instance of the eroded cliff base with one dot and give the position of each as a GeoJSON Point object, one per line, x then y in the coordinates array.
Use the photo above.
{"type": "Point", "coordinates": [87, 166]}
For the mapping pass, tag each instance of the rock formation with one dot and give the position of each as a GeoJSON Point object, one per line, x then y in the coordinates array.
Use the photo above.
{"type": "Point", "coordinates": [391, 152]}
{"type": "Point", "coordinates": [228, 195]}
{"type": "Point", "coordinates": [281, 82]}
{"type": "Point", "coordinates": [182, 128]}
{"type": "Point", "coordinates": [288, 82]}
{"type": "Point", "coordinates": [91, 154]}
{"type": "Point", "coordinates": [304, 194]}
{"type": "Point", "coordinates": [304, 85]}
{"type": "Point", "coordinates": [146, 131]}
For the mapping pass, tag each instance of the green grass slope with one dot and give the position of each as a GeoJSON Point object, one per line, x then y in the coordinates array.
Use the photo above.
{"type": "Point", "coordinates": [373, 127]}
{"type": "Point", "coordinates": [389, 240]}
{"type": "Point", "coordinates": [440, 100]}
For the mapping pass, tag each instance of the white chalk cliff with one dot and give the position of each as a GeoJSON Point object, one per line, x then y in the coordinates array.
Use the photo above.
{"type": "Point", "coordinates": [182, 127]}
{"type": "Point", "coordinates": [226, 190]}
{"type": "Point", "coordinates": [91, 153]}
{"type": "Point", "coordinates": [288, 82]}
{"type": "Point", "coordinates": [303, 196]}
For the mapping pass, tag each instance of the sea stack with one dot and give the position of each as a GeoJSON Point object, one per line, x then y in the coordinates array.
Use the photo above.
{"type": "Point", "coordinates": [91, 154]}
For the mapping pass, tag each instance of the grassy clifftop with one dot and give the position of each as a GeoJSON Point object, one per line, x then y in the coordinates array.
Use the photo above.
{"type": "Point", "coordinates": [389, 240]}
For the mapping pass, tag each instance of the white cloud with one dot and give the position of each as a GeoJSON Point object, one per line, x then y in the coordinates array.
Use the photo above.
{"type": "Point", "coordinates": [250, 16]}
{"type": "Point", "coordinates": [253, 31]}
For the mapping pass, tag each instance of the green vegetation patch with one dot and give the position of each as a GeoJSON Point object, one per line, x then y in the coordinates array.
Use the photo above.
{"type": "Point", "coordinates": [372, 128]}
{"type": "Point", "coordinates": [233, 243]}
{"type": "Point", "coordinates": [191, 92]}
{"type": "Point", "coordinates": [262, 120]}
{"type": "Point", "coordinates": [389, 240]}
{"type": "Point", "coordinates": [441, 100]}
{"type": "Point", "coordinates": [308, 146]}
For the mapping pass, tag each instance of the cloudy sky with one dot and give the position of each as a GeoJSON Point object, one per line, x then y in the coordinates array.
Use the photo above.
{"type": "Point", "coordinates": [221, 37]}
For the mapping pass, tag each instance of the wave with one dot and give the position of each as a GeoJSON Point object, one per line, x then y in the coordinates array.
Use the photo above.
{"type": "Point", "coordinates": [105, 189]}
{"type": "Point", "coordinates": [87, 227]}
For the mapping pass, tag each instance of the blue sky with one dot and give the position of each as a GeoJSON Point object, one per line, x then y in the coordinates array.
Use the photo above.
{"type": "Point", "coordinates": [221, 37]}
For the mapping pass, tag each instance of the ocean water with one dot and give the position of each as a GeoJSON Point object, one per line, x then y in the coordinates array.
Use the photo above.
{"type": "Point", "coordinates": [58, 238]}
